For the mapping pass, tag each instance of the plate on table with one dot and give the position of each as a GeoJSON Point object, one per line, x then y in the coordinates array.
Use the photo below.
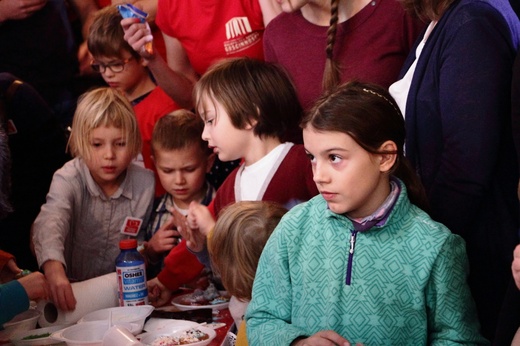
{"type": "Point", "coordinates": [186, 302]}
{"type": "Point", "coordinates": [194, 335]}
{"type": "Point", "coordinates": [172, 326]}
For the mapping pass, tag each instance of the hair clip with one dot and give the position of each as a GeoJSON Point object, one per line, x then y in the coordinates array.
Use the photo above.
{"type": "Point", "coordinates": [384, 98]}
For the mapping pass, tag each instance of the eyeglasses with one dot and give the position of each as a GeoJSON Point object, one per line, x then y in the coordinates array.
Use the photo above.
{"type": "Point", "coordinates": [115, 67]}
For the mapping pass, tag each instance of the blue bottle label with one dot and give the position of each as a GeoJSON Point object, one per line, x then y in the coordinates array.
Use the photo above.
{"type": "Point", "coordinates": [132, 285]}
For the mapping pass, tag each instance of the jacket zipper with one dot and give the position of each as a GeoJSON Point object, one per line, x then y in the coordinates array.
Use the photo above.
{"type": "Point", "coordinates": [353, 236]}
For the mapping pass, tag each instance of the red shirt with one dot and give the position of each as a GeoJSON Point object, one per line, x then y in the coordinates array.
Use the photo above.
{"type": "Point", "coordinates": [154, 106]}
{"type": "Point", "coordinates": [210, 30]}
{"type": "Point", "coordinates": [292, 183]}
{"type": "Point", "coordinates": [371, 47]}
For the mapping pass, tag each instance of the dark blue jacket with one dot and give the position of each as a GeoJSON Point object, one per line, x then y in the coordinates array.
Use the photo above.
{"type": "Point", "coordinates": [460, 141]}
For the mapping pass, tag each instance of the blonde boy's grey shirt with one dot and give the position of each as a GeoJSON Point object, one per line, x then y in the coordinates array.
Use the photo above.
{"type": "Point", "coordinates": [80, 226]}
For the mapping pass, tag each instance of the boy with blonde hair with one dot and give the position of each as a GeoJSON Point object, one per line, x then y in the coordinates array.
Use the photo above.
{"type": "Point", "coordinates": [94, 200]}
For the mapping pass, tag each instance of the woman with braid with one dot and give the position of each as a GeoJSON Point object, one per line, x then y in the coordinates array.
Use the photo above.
{"type": "Point", "coordinates": [366, 40]}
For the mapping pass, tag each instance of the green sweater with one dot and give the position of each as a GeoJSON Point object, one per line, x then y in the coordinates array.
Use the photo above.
{"type": "Point", "coordinates": [408, 284]}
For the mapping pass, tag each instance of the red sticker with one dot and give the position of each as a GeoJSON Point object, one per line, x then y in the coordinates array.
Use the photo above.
{"type": "Point", "coordinates": [131, 226]}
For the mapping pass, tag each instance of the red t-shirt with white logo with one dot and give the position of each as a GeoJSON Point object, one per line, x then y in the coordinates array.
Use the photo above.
{"type": "Point", "coordinates": [210, 30]}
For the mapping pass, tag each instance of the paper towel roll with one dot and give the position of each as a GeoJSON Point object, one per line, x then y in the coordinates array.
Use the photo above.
{"type": "Point", "coordinates": [91, 295]}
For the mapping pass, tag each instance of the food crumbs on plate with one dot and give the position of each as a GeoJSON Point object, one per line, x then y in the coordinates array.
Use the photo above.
{"type": "Point", "coordinates": [209, 296]}
{"type": "Point", "coordinates": [189, 336]}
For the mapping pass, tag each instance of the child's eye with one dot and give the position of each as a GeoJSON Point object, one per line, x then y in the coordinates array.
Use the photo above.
{"type": "Point", "coordinates": [121, 144]}
{"type": "Point", "coordinates": [334, 158]}
{"type": "Point", "coordinates": [311, 157]}
{"type": "Point", "coordinates": [95, 144]}
{"type": "Point", "coordinates": [209, 121]}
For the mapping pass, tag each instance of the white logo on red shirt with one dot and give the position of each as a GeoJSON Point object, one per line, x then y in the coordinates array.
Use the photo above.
{"type": "Point", "coordinates": [237, 26]}
{"type": "Point", "coordinates": [239, 35]}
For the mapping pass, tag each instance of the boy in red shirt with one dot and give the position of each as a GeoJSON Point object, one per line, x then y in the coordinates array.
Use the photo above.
{"type": "Point", "coordinates": [123, 68]}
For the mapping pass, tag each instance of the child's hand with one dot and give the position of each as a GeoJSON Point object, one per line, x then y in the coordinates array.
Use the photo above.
{"type": "Point", "coordinates": [35, 286]}
{"type": "Point", "coordinates": [163, 240]}
{"type": "Point", "coordinates": [515, 267]}
{"type": "Point", "coordinates": [192, 234]}
{"type": "Point", "coordinates": [61, 290]}
{"type": "Point", "coordinates": [158, 294]}
{"type": "Point", "coordinates": [194, 239]}
{"type": "Point", "coordinates": [323, 338]}
{"type": "Point", "coordinates": [199, 217]}
{"type": "Point", "coordinates": [9, 271]}
{"type": "Point", "coordinates": [139, 37]}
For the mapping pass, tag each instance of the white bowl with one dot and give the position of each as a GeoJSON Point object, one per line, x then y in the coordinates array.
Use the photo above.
{"type": "Point", "coordinates": [26, 320]}
{"type": "Point", "coordinates": [119, 336]}
{"type": "Point", "coordinates": [89, 333]}
{"type": "Point", "coordinates": [18, 338]}
{"type": "Point", "coordinates": [132, 314]}
{"type": "Point", "coordinates": [150, 337]}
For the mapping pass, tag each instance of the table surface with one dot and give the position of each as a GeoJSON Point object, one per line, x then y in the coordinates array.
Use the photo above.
{"type": "Point", "coordinates": [220, 316]}
{"type": "Point", "coordinates": [223, 316]}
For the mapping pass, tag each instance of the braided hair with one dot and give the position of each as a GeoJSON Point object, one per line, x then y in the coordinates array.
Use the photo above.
{"type": "Point", "coordinates": [331, 73]}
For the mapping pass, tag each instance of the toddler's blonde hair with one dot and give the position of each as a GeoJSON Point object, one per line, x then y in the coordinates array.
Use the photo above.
{"type": "Point", "coordinates": [237, 241]}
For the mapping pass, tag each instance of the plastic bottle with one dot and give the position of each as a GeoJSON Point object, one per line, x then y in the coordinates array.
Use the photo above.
{"type": "Point", "coordinates": [131, 275]}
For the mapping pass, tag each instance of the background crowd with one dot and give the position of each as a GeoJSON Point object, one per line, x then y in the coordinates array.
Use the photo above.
{"type": "Point", "coordinates": [268, 85]}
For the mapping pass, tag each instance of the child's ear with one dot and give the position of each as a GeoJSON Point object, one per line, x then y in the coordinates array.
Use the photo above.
{"type": "Point", "coordinates": [251, 124]}
{"type": "Point", "coordinates": [211, 160]}
{"type": "Point", "coordinates": [387, 161]}
{"type": "Point", "coordinates": [153, 159]}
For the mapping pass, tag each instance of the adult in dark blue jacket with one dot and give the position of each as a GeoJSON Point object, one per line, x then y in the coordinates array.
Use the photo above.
{"type": "Point", "coordinates": [456, 101]}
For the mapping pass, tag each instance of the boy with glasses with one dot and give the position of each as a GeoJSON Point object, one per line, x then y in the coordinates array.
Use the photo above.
{"type": "Point", "coordinates": [123, 69]}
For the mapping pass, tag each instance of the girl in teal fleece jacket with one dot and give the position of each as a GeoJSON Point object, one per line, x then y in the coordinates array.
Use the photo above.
{"type": "Point", "coordinates": [361, 262]}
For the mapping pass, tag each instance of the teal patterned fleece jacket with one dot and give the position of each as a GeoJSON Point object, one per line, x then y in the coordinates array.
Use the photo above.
{"type": "Point", "coordinates": [408, 281]}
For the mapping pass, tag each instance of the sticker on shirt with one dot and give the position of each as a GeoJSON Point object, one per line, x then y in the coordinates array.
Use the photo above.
{"type": "Point", "coordinates": [131, 226]}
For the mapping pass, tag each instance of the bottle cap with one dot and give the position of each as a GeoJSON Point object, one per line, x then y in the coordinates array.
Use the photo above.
{"type": "Point", "coordinates": [127, 244]}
